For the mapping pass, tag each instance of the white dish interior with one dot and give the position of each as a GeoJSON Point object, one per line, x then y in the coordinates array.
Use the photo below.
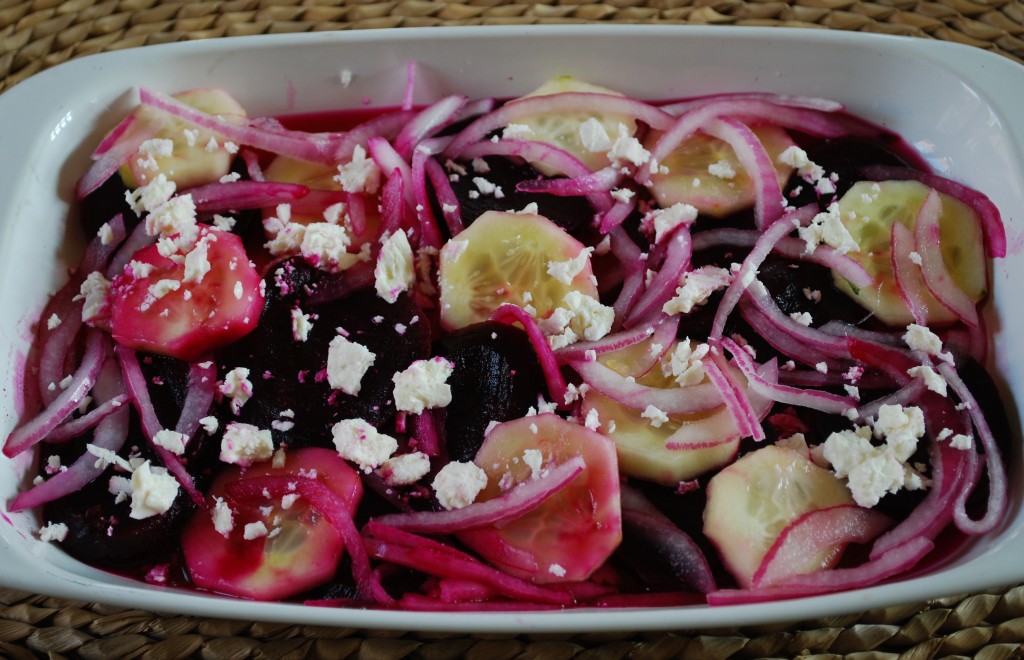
{"type": "Point", "coordinates": [960, 105]}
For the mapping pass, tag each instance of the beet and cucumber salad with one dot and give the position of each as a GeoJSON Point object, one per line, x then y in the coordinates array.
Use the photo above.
{"type": "Point", "coordinates": [572, 349]}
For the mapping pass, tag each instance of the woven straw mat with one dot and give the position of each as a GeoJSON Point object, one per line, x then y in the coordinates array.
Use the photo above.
{"type": "Point", "coordinates": [42, 33]}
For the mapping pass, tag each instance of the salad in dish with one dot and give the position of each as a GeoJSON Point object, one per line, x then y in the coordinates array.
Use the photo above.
{"type": "Point", "coordinates": [573, 349]}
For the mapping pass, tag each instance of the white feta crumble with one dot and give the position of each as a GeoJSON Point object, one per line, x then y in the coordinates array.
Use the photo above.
{"type": "Point", "coordinates": [566, 271]}
{"type": "Point", "coordinates": [360, 442]}
{"type": "Point", "coordinates": [153, 491]}
{"type": "Point", "coordinates": [516, 132]}
{"type": "Point", "coordinates": [53, 532]}
{"type": "Point", "coordinates": [197, 262]}
{"type": "Point", "coordinates": [655, 415]}
{"type": "Point", "coordinates": [423, 385]}
{"type": "Point", "coordinates": [557, 570]}
{"type": "Point", "coordinates": [664, 221]}
{"type": "Point", "coordinates": [174, 218]}
{"type": "Point", "coordinates": [106, 234]}
{"type": "Point", "coordinates": [920, 338]}
{"type": "Point", "coordinates": [821, 367]}
{"type": "Point", "coordinates": [852, 391]}
{"type": "Point", "coordinates": [359, 175]}
{"type": "Point", "coordinates": [105, 457]}
{"type": "Point", "coordinates": [932, 379]}
{"type": "Point", "coordinates": [579, 315]}
{"type": "Point", "coordinates": [94, 291]}
{"type": "Point", "coordinates": [628, 148]}
{"type": "Point", "coordinates": [223, 517]}
{"type": "Point", "coordinates": [594, 137]}
{"type": "Point", "coordinates": [254, 530]}
{"type": "Point", "coordinates": [722, 169]}
{"type": "Point", "coordinates": [146, 198]}
{"type": "Point", "coordinates": [237, 387]}
{"type": "Point", "coordinates": [827, 227]}
{"type": "Point", "coordinates": [347, 363]}
{"type": "Point", "coordinates": [324, 245]}
{"type": "Point", "coordinates": [395, 270]}
{"type": "Point", "coordinates": [814, 295]}
{"type": "Point", "coordinates": [171, 440]}
{"type": "Point", "coordinates": [962, 442]}
{"type": "Point", "coordinates": [696, 286]}
{"type": "Point", "coordinates": [301, 325]}
{"type": "Point", "coordinates": [53, 322]}
{"type": "Point", "coordinates": [457, 484]}
{"type": "Point", "coordinates": [288, 501]}
{"type": "Point", "coordinates": [685, 364]}
{"type": "Point", "coordinates": [803, 318]}
{"type": "Point", "coordinates": [534, 459]}
{"type": "Point", "coordinates": [592, 421]}
{"type": "Point", "coordinates": [245, 444]}
{"type": "Point", "coordinates": [915, 258]}
{"type": "Point", "coordinates": [794, 156]}
{"type": "Point", "coordinates": [209, 424]}
{"type": "Point", "coordinates": [405, 469]}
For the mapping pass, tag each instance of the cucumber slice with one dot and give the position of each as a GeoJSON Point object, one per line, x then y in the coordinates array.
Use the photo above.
{"type": "Point", "coordinates": [753, 500]}
{"type": "Point", "coordinates": [562, 129]}
{"type": "Point", "coordinates": [868, 210]}
{"type": "Point", "coordinates": [689, 180]}
{"type": "Point", "coordinates": [504, 258]}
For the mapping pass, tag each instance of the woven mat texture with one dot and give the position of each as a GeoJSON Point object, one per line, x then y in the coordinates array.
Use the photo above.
{"type": "Point", "coordinates": [43, 33]}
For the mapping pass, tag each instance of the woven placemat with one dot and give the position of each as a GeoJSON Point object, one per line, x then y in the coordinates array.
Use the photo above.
{"type": "Point", "coordinates": [42, 33]}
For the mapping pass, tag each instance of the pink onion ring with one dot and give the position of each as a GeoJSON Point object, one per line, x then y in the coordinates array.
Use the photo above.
{"type": "Point", "coordinates": [933, 266]}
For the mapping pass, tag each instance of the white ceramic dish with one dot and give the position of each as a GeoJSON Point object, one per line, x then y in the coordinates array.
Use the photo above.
{"type": "Point", "coordinates": [958, 103]}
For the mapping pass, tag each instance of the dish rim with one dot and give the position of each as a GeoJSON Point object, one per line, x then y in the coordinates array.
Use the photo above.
{"type": "Point", "coordinates": [956, 58]}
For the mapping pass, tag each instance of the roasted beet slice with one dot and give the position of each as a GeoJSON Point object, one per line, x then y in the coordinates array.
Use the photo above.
{"type": "Point", "coordinates": [104, 203]}
{"type": "Point", "coordinates": [569, 213]}
{"type": "Point", "coordinates": [496, 378]}
{"type": "Point", "coordinates": [288, 374]}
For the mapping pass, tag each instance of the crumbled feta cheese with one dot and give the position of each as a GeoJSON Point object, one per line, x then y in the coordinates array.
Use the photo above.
{"type": "Point", "coordinates": [457, 484]}
{"type": "Point", "coordinates": [53, 532]}
{"type": "Point", "coordinates": [53, 322]}
{"type": "Point", "coordinates": [172, 441]}
{"type": "Point", "coordinates": [557, 570]}
{"type": "Point", "coordinates": [209, 424]}
{"type": "Point", "coordinates": [153, 491]}
{"type": "Point", "coordinates": [566, 271]}
{"type": "Point", "coordinates": [592, 420]}
{"type": "Point", "coordinates": [347, 363]}
{"type": "Point", "coordinates": [696, 286]}
{"type": "Point", "coordinates": [324, 245]}
{"type": "Point", "coordinates": [962, 442]}
{"type": "Point", "coordinates": [237, 387]}
{"type": "Point", "coordinates": [516, 132]}
{"type": "Point", "coordinates": [94, 291]}
{"type": "Point", "coordinates": [932, 379]}
{"type": "Point", "coordinates": [685, 364]}
{"type": "Point", "coordinates": [105, 457]}
{"type": "Point", "coordinates": [915, 258]}
{"type": "Point", "coordinates": [405, 469]}
{"type": "Point", "coordinates": [722, 169]}
{"type": "Point", "coordinates": [254, 530]}
{"type": "Point", "coordinates": [395, 271]}
{"type": "Point", "coordinates": [148, 197]}
{"type": "Point", "coordinates": [655, 415]}
{"type": "Point", "coordinates": [423, 385]}
{"type": "Point", "coordinates": [174, 218]}
{"type": "Point", "coordinates": [803, 318]}
{"type": "Point", "coordinates": [822, 367]}
{"type": "Point", "coordinates": [223, 517]}
{"type": "Point", "coordinates": [813, 295]}
{"type": "Point", "coordinates": [245, 444]}
{"type": "Point", "coordinates": [358, 441]}
{"type": "Point", "coordinates": [628, 148]}
{"type": "Point", "coordinates": [852, 392]}
{"type": "Point", "coordinates": [578, 316]}
{"type": "Point", "coordinates": [828, 228]}
{"type": "Point", "coordinates": [793, 156]}
{"type": "Point", "coordinates": [920, 338]}
{"type": "Point", "coordinates": [360, 175]}
{"type": "Point", "coordinates": [594, 137]}
{"type": "Point", "coordinates": [197, 262]}
{"type": "Point", "coordinates": [534, 459]}
{"type": "Point", "coordinates": [664, 221]}
{"type": "Point", "coordinates": [301, 325]}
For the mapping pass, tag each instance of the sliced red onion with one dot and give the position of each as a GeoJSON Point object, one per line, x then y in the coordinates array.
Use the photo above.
{"type": "Point", "coordinates": [991, 221]}
{"type": "Point", "coordinates": [55, 344]}
{"type": "Point", "coordinates": [340, 286]}
{"type": "Point", "coordinates": [310, 147]}
{"type": "Point", "coordinates": [603, 180]}
{"type": "Point", "coordinates": [114, 136]}
{"type": "Point", "coordinates": [898, 560]}
{"type": "Point", "coordinates": [768, 201]}
{"type": "Point", "coordinates": [138, 239]}
{"type": "Point", "coordinates": [933, 266]}
{"type": "Point", "coordinates": [906, 274]}
{"type": "Point", "coordinates": [997, 486]}
{"type": "Point", "coordinates": [332, 508]}
{"type": "Point", "coordinates": [663, 286]}
{"type": "Point", "coordinates": [202, 386]}
{"type": "Point", "coordinates": [135, 385]}
{"type": "Point", "coordinates": [356, 207]}
{"type": "Point", "coordinates": [906, 395]}
{"type": "Point", "coordinates": [79, 425]}
{"type": "Point", "coordinates": [111, 433]}
{"type": "Point", "coordinates": [252, 164]}
{"type": "Point", "coordinates": [776, 333]}
{"type": "Point", "coordinates": [509, 314]}
{"type": "Point", "coordinates": [427, 433]}
{"type": "Point", "coordinates": [613, 342]}
{"type": "Point", "coordinates": [531, 151]}
{"type": "Point", "coordinates": [429, 230]}
{"type": "Point", "coordinates": [813, 399]}
{"type": "Point", "coordinates": [556, 103]}
{"type": "Point", "coordinates": [748, 270]}
{"type": "Point", "coordinates": [808, 102]}
{"type": "Point", "coordinates": [814, 341]}
{"type": "Point", "coordinates": [616, 215]}
{"type": "Point", "coordinates": [843, 329]}
{"type": "Point", "coordinates": [735, 398]}
{"type": "Point", "coordinates": [385, 126]}
{"type": "Point", "coordinates": [626, 391]}
{"type": "Point", "coordinates": [242, 195]}
{"type": "Point", "coordinates": [98, 253]}
{"type": "Point", "coordinates": [393, 545]}
{"type": "Point", "coordinates": [97, 347]}
{"type": "Point", "coordinates": [392, 203]}
{"type": "Point", "coordinates": [428, 122]}
{"type": "Point", "coordinates": [411, 68]}
{"type": "Point", "coordinates": [813, 533]}
{"type": "Point", "coordinates": [113, 157]}
{"type": "Point", "coordinates": [388, 160]}
{"type": "Point", "coordinates": [451, 210]}
{"type": "Point", "coordinates": [634, 263]}
{"type": "Point", "coordinates": [512, 504]}
{"type": "Point", "coordinates": [789, 247]}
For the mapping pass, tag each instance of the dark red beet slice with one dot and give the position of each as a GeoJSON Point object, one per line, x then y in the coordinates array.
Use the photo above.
{"type": "Point", "coordinates": [291, 375]}
{"type": "Point", "coordinates": [104, 203]}
{"type": "Point", "coordinates": [496, 378]}
{"type": "Point", "coordinates": [569, 213]}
